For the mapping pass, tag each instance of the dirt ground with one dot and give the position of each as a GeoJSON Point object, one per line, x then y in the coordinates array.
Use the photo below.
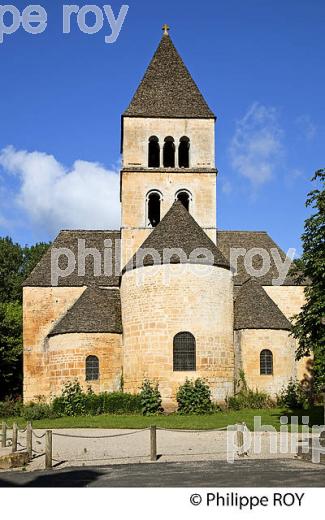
{"type": "Point", "coordinates": [91, 447]}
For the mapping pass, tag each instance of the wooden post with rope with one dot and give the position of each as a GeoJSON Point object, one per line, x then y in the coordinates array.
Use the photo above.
{"type": "Point", "coordinates": [29, 440]}
{"type": "Point", "coordinates": [14, 437]}
{"type": "Point", "coordinates": [48, 449]}
{"type": "Point", "coordinates": [3, 435]}
{"type": "Point", "coordinates": [153, 443]}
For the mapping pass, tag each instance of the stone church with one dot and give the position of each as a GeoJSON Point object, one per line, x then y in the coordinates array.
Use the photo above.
{"type": "Point", "coordinates": [173, 306]}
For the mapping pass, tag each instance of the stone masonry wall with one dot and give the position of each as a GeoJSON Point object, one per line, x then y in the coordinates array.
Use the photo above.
{"type": "Point", "coordinates": [138, 130]}
{"type": "Point", "coordinates": [154, 310]}
{"type": "Point", "coordinates": [135, 187]}
{"type": "Point", "coordinates": [50, 362]}
{"type": "Point", "coordinates": [250, 342]}
{"type": "Point", "coordinates": [64, 360]}
{"type": "Point", "coordinates": [290, 299]}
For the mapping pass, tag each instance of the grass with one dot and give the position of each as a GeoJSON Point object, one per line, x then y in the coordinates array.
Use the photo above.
{"type": "Point", "coordinates": [270, 416]}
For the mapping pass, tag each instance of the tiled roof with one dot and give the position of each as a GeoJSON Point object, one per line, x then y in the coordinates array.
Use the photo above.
{"type": "Point", "coordinates": [249, 240]}
{"type": "Point", "coordinates": [167, 88]}
{"type": "Point", "coordinates": [178, 230]}
{"type": "Point", "coordinates": [254, 309]}
{"type": "Point", "coordinates": [41, 275]}
{"type": "Point", "coordinates": [97, 310]}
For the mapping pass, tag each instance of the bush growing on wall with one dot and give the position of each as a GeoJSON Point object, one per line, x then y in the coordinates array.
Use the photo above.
{"type": "Point", "coordinates": [194, 397]}
{"type": "Point", "coordinates": [150, 398]}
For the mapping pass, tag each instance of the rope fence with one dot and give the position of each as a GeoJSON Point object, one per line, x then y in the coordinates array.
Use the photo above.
{"type": "Point", "coordinates": [98, 436]}
{"type": "Point", "coordinates": [48, 435]}
{"type": "Point", "coordinates": [177, 430]}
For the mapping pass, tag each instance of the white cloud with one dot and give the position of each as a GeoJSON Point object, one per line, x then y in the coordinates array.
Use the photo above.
{"type": "Point", "coordinates": [3, 221]}
{"type": "Point", "coordinates": [53, 197]}
{"type": "Point", "coordinates": [293, 176]}
{"type": "Point", "coordinates": [226, 186]}
{"type": "Point", "coordinates": [257, 144]}
{"type": "Point", "coordinates": [306, 127]}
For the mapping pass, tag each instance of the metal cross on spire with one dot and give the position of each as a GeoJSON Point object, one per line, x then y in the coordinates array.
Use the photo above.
{"type": "Point", "coordinates": [166, 28]}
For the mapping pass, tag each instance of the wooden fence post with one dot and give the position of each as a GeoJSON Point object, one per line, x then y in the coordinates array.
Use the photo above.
{"type": "Point", "coordinates": [3, 435]}
{"type": "Point", "coordinates": [240, 440]}
{"type": "Point", "coordinates": [153, 443]}
{"type": "Point", "coordinates": [14, 437]}
{"type": "Point", "coordinates": [48, 449]}
{"type": "Point", "coordinates": [29, 440]}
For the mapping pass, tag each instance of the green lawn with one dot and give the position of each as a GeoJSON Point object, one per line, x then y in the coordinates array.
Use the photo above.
{"type": "Point", "coordinates": [201, 422]}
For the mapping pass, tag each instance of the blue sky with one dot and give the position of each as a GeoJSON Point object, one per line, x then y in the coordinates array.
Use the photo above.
{"type": "Point", "coordinates": [259, 64]}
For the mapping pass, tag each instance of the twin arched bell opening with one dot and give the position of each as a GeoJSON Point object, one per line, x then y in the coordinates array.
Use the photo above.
{"type": "Point", "coordinates": [153, 203]}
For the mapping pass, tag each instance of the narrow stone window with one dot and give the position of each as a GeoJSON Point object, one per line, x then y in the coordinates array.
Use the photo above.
{"type": "Point", "coordinates": [184, 197]}
{"type": "Point", "coordinates": [92, 368]}
{"type": "Point", "coordinates": [184, 152]}
{"type": "Point", "coordinates": [153, 152]}
{"type": "Point", "coordinates": [153, 208]}
{"type": "Point", "coordinates": [169, 153]}
{"type": "Point", "coordinates": [266, 362]}
{"type": "Point", "coordinates": [184, 352]}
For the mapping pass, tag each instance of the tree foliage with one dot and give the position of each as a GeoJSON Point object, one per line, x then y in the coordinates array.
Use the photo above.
{"type": "Point", "coordinates": [10, 348]}
{"type": "Point", "coordinates": [16, 263]}
{"type": "Point", "coordinates": [309, 324]}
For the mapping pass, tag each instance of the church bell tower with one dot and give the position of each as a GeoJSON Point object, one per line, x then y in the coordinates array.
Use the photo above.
{"type": "Point", "coordinates": [168, 150]}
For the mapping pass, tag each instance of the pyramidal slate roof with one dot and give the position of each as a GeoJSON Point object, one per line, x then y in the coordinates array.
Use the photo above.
{"type": "Point", "coordinates": [41, 274]}
{"type": "Point", "coordinates": [178, 230]}
{"type": "Point", "coordinates": [97, 310]}
{"type": "Point", "coordinates": [248, 240]}
{"type": "Point", "coordinates": [167, 88]}
{"type": "Point", "coordinates": [254, 309]}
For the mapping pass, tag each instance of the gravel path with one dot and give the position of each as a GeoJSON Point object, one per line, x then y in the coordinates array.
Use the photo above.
{"type": "Point", "coordinates": [89, 447]}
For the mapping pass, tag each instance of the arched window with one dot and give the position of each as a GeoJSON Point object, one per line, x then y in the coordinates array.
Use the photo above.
{"type": "Point", "coordinates": [266, 362]}
{"type": "Point", "coordinates": [153, 208]}
{"type": "Point", "coordinates": [185, 197]}
{"type": "Point", "coordinates": [92, 368]}
{"type": "Point", "coordinates": [169, 153]}
{"type": "Point", "coordinates": [184, 152]}
{"type": "Point", "coordinates": [153, 152]}
{"type": "Point", "coordinates": [184, 355]}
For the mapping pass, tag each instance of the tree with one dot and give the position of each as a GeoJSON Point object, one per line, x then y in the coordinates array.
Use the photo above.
{"type": "Point", "coordinates": [10, 349]}
{"type": "Point", "coordinates": [31, 256]}
{"type": "Point", "coordinates": [16, 263]}
{"type": "Point", "coordinates": [309, 325]}
{"type": "Point", "coordinates": [11, 261]}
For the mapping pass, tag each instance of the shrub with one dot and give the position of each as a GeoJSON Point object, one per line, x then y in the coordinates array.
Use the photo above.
{"type": "Point", "coordinates": [111, 402]}
{"type": "Point", "coordinates": [119, 403]}
{"type": "Point", "coordinates": [72, 401]}
{"type": "Point", "coordinates": [194, 397]}
{"type": "Point", "coordinates": [250, 399]}
{"type": "Point", "coordinates": [75, 402]}
{"type": "Point", "coordinates": [11, 408]}
{"type": "Point", "coordinates": [247, 398]}
{"type": "Point", "coordinates": [35, 411]}
{"type": "Point", "coordinates": [295, 395]}
{"type": "Point", "coordinates": [150, 398]}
